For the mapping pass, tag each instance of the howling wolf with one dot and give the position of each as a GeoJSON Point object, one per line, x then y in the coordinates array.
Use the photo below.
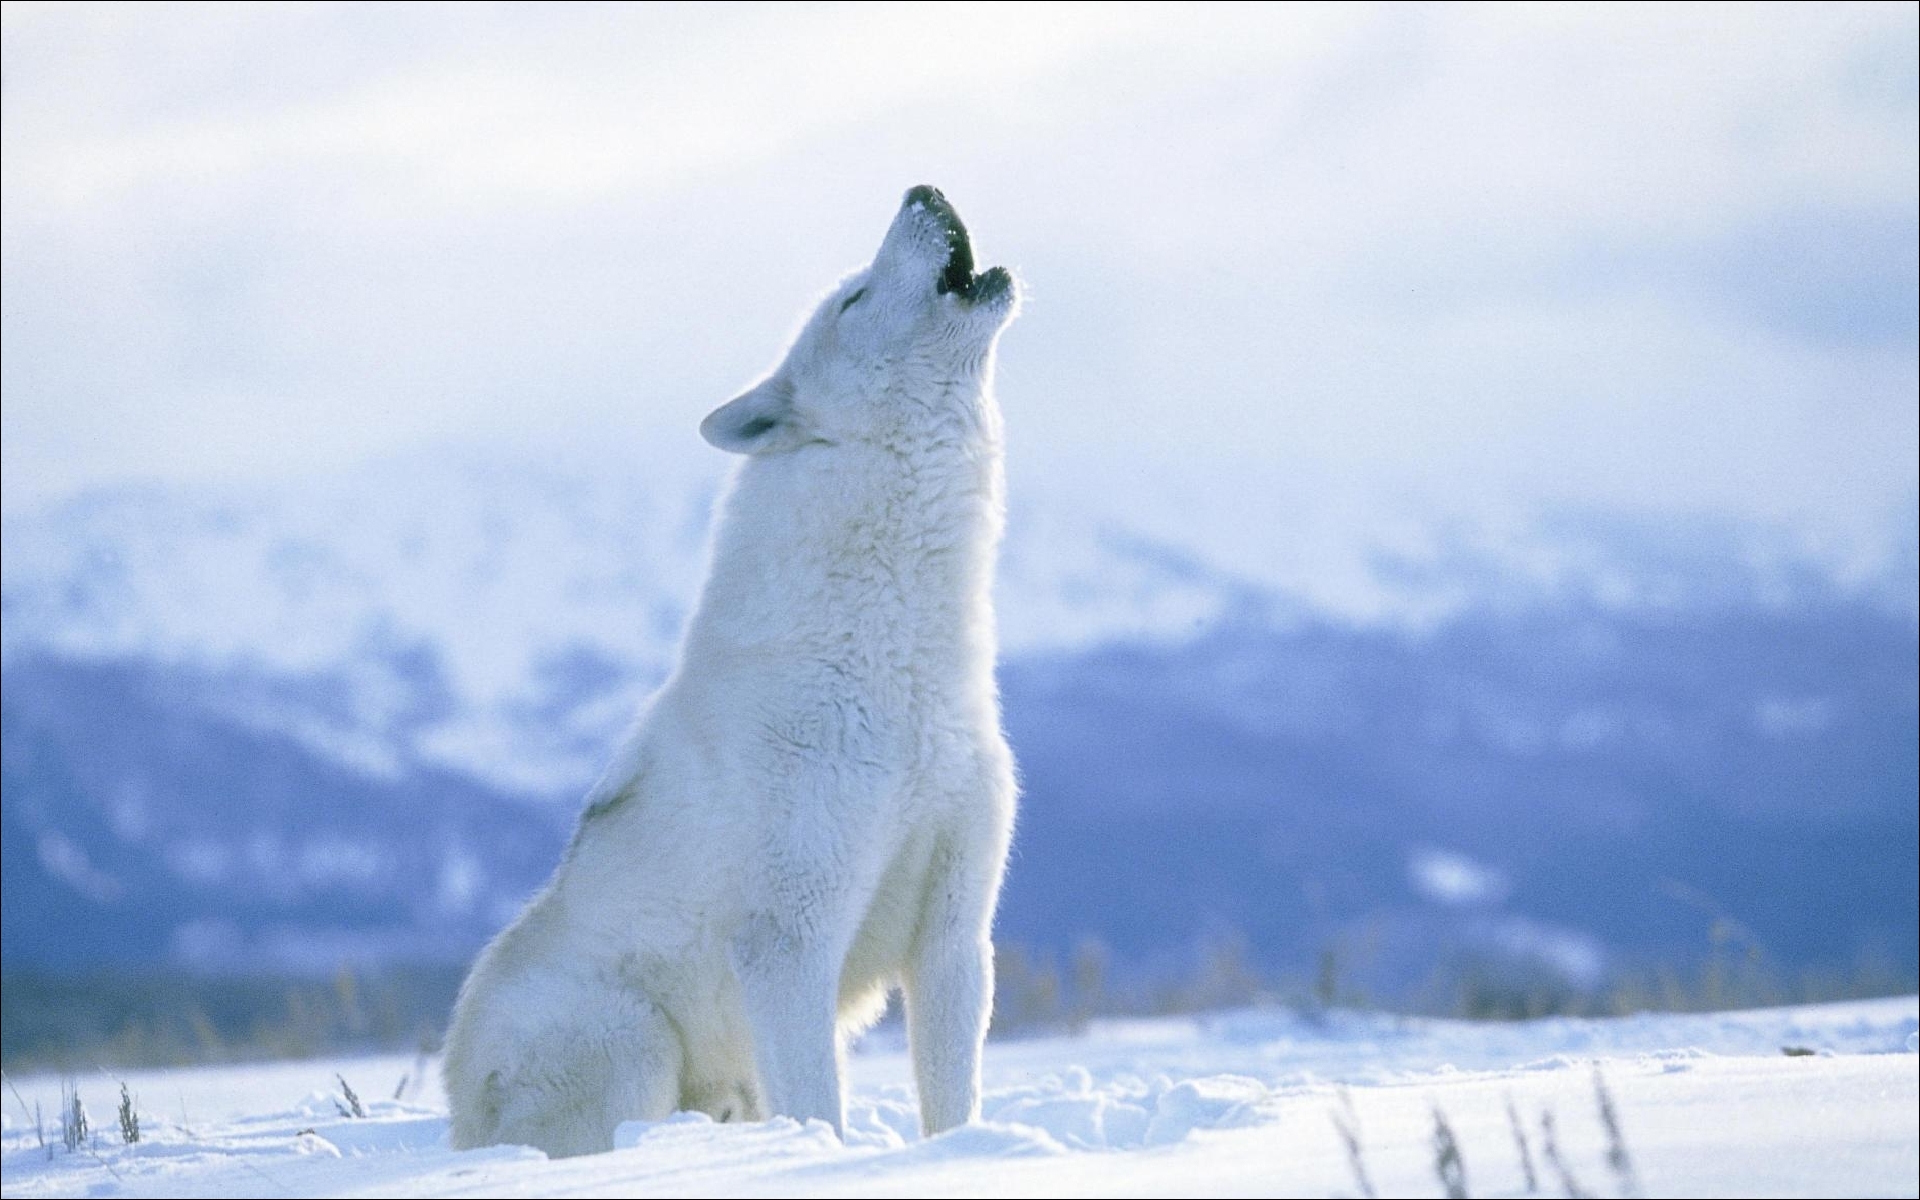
{"type": "Point", "coordinates": [815, 807]}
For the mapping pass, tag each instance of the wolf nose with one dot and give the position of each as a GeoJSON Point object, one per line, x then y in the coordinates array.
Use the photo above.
{"type": "Point", "coordinates": [925, 194]}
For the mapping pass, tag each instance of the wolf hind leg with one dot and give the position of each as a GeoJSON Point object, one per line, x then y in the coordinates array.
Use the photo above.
{"type": "Point", "coordinates": [604, 1059]}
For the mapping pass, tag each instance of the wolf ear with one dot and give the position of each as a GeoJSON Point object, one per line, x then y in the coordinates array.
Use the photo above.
{"type": "Point", "coordinates": [756, 421]}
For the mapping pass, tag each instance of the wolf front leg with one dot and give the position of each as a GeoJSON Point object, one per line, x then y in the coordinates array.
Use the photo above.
{"type": "Point", "coordinates": [789, 981]}
{"type": "Point", "coordinates": [949, 980]}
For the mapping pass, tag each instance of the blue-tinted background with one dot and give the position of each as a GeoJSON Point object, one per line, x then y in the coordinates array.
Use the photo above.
{"type": "Point", "coordinates": [1462, 464]}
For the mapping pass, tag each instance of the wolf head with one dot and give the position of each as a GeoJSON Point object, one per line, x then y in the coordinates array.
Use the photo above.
{"type": "Point", "coordinates": [912, 331]}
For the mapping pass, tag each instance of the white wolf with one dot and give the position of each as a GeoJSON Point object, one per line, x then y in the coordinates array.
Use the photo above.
{"type": "Point", "coordinates": [816, 806]}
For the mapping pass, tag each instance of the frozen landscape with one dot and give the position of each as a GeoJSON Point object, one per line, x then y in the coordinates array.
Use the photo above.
{"type": "Point", "coordinates": [1461, 561]}
{"type": "Point", "coordinates": [1809, 1101]}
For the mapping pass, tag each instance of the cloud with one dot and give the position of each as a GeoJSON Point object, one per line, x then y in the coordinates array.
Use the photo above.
{"type": "Point", "coordinates": [1357, 260]}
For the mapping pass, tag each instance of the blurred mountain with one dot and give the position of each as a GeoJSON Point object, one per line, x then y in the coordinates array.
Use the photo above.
{"type": "Point", "coordinates": [350, 720]}
{"type": "Point", "coordinates": [141, 825]}
{"type": "Point", "coordinates": [1579, 790]}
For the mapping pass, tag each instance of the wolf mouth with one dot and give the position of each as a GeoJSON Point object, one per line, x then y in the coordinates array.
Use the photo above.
{"type": "Point", "coordinates": [957, 276]}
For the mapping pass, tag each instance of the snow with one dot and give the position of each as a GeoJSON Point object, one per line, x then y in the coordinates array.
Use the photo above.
{"type": "Point", "coordinates": [1239, 1103]}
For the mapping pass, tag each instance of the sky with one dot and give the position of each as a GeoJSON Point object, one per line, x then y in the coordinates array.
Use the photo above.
{"type": "Point", "coordinates": [1363, 268]}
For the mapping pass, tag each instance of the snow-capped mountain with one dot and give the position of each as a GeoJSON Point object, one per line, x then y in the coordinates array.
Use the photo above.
{"type": "Point", "coordinates": [351, 716]}
{"type": "Point", "coordinates": [493, 620]}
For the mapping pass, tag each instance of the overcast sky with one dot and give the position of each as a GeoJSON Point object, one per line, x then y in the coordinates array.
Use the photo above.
{"type": "Point", "coordinates": [1652, 260]}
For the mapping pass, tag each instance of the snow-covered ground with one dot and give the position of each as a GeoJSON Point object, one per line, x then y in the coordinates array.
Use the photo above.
{"type": "Point", "coordinates": [1242, 1103]}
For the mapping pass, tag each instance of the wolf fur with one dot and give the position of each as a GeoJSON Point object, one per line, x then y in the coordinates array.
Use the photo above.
{"type": "Point", "coordinates": [815, 807]}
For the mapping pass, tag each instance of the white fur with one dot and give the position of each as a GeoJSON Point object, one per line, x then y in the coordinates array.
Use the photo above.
{"type": "Point", "coordinates": [815, 807]}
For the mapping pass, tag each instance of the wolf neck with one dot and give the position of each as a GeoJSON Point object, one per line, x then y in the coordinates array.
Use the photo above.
{"type": "Point", "coordinates": [860, 549]}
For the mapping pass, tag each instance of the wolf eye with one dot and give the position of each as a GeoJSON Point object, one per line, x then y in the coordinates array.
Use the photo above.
{"type": "Point", "coordinates": [850, 301]}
